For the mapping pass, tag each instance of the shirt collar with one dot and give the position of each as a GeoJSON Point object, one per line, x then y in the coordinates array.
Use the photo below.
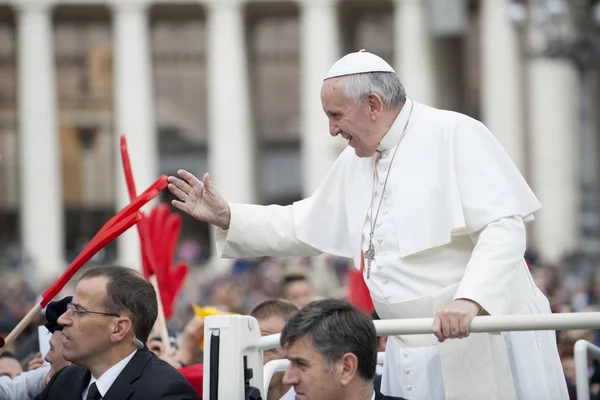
{"type": "Point", "coordinates": [394, 135]}
{"type": "Point", "coordinates": [108, 378]}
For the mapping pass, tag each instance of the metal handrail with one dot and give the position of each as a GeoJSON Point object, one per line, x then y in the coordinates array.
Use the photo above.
{"type": "Point", "coordinates": [582, 350]}
{"type": "Point", "coordinates": [491, 324]}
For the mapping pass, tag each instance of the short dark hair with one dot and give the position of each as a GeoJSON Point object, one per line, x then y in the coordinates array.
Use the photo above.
{"type": "Point", "coordinates": [8, 354]}
{"type": "Point", "coordinates": [335, 328]}
{"type": "Point", "coordinates": [128, 291]}
{"type": "Point", "coordinates": [274, 307]}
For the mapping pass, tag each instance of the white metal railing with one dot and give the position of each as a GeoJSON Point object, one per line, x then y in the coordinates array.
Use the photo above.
{"type": "Point", "coordinates": [583, 348]}
{"type": "Point", "coordinates": [238, 339]}
{"type": "Point", "coordinates": [281, 365]}
{"type": "Point", "coordinates": [490, 324]}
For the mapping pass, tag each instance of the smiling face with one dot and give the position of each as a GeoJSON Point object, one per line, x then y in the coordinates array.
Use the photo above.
{"type": "Point", "coordinates": [357, 123]}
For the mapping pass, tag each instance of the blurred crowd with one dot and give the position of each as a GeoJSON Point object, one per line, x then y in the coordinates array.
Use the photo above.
{"type": "Point", "coordinates": [249, 282]}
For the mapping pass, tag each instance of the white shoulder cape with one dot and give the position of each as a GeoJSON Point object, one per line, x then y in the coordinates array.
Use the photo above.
{"type": "Point", "coordinates": [454, 178]}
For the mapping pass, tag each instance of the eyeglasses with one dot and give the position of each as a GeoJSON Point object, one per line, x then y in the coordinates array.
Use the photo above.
{"type": "Point", "coordinates": [77, 311]}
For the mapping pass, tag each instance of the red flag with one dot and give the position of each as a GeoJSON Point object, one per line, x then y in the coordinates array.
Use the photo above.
{"type": "Point", "coordinates": [359, 295]}
{"type": "Point", "coordinates": [159, 234]}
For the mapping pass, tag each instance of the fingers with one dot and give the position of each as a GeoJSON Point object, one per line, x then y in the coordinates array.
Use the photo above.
{"type": "Point", "coordinates": [451, 324]}
{"type": "Point", "coordinates": [437, 329]}
{"type": "Point", "coordinates": [180, 184]}
{"type": "Point", "coordinates": [464, 325]}
{"type": "Point", "coordinates": [180, 194]}
{"type": "Point", "coordinates": [190, 178]}
{"type": "Point", "coordinates": [179, 205]}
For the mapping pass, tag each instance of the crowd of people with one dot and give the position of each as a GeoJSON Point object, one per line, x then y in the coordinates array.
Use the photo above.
{"type": "Point", "coordinates": [271, 290]}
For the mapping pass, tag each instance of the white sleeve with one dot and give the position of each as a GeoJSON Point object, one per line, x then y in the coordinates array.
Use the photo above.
{"type": "Point", "coordinates": [25, 386]}
{"type": "Point", "coordinates": [494, 265]}
{"type": "Point", "coordinates": [257, 231]}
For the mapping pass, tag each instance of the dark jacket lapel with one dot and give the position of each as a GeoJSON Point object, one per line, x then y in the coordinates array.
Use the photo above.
{"type": "Point", "coordinates": [84, 379]}
{"type": "Point", "coordinates": [121, 389]}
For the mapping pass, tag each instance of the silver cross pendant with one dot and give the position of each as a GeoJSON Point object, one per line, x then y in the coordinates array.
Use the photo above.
{"type": "Point", "coordinates": [370, 256]}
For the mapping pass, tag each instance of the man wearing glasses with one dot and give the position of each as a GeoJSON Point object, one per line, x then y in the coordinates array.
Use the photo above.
{"type": "Point", "coordinates": [104, 331]}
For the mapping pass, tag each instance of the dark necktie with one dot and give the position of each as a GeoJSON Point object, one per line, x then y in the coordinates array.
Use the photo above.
{"type": "Point", "coordinates": [93, 393]}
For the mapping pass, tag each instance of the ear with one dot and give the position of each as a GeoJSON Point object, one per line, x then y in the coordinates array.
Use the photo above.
{"type": "Point", "coordinates": [120, 329]}
{"type": "Point", "coordinates": [375, 103]}
{"type": "Point", "coordinates": [349, 365]}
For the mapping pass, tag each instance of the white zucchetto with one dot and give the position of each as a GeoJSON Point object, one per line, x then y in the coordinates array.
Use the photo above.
{"type": "Point", "coordinates": [358, 63]}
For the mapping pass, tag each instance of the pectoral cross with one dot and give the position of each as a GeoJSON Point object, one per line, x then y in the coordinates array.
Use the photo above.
{"type": "Point", "coordinates": [370, 255]}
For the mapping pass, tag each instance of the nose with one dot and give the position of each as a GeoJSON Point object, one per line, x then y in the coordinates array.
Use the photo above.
{"type": "Point", "coordinates": [290, 377]}
{"type": "Point", "coordinates": [65, 319]}
{"type": "Point", "coordinates": [334, 130]}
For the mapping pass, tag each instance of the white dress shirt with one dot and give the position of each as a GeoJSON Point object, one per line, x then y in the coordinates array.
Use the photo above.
{"type": "Point", "coordinates": [108, 378]}
{"type": "Point", "coordinates": [25, 386]}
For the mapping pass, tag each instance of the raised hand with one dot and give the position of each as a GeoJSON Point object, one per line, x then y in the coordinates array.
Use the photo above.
{"type": "Point", "coordinates": [199, 199]}
{"type": "Point", "coordinates": [36, 362]}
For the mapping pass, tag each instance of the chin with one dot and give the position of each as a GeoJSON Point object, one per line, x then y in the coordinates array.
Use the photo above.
{"type": "Point", "coordinates": [362, 153]}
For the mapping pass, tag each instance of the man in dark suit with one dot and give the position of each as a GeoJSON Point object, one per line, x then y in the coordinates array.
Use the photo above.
{"type": "Point", "coordinates": [104, 331]}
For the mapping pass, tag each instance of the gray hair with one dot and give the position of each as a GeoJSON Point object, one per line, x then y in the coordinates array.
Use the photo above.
{"type": "Point", "coordinates": [335, 327]}
{"type": "Point", "coordinates": [357, 87]}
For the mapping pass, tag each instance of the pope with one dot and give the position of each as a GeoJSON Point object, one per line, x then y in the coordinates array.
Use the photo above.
{"type": "Point", "coordinates": [433, 207]}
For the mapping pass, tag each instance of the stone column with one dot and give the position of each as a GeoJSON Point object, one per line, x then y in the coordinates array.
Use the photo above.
{"type": "Point", "coordinates": [134, 111]}
{"type": "Point", "coordinates": [502, 102]}
{"type": "Point", "coordinates": [320, 49]}
{"type": "Point", "coordinates": [42, 213]}
{"type": "Point", "coordinates": [414, 51]}
{"type": "Point", "coordinates": [231, 134]}
{"type": "Point", "coordinates": [554, 148]}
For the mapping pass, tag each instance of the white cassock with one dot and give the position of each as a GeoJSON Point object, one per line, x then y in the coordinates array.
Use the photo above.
{"type": "Point", "coordinates": [451, 225]}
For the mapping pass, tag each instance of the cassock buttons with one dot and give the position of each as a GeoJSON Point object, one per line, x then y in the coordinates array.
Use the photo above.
{"type": "Point", "coordinates": [384, 281]}
{"type": "Point", "coordinates": [407, 370]}
{"type": "Point", "coordinates": [383, 167]}
{"type": "Point", "coordinates": [410, 387]}
{"type": "Point", "coordinates": [379, 267]}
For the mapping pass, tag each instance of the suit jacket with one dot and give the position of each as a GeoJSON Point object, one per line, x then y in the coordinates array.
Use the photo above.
{"type": "Point", "coordinates": [145, 377]}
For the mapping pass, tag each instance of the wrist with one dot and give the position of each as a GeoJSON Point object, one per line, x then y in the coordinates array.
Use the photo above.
{"type": "Point", "coordinates": [224, 219]}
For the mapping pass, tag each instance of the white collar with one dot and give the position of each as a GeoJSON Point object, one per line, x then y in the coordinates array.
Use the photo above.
{"type": "Point", "coordinates": [394, 135]}
{"type": "Point", "coordinates": [108, 378]}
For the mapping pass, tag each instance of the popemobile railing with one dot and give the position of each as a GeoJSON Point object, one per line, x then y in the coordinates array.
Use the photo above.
{"type": "Point", "coordinates": [584, 349]}
{"type": "Point", "coordinates": [233, 348]}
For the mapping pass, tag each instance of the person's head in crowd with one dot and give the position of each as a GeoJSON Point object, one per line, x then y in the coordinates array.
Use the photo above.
{"type": "Point", "coordinates": [272, 316]}
{"type": "Point", "coordinates": [54, 356]}
{"type": "Point", "coordinates": [297, 289]}
{"type": "Point", "coordinates": [332, 348]}
{"type": "Point", "coordinates": [9, 365]}
{"type": "Point", "coordinates": [111, 314]}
